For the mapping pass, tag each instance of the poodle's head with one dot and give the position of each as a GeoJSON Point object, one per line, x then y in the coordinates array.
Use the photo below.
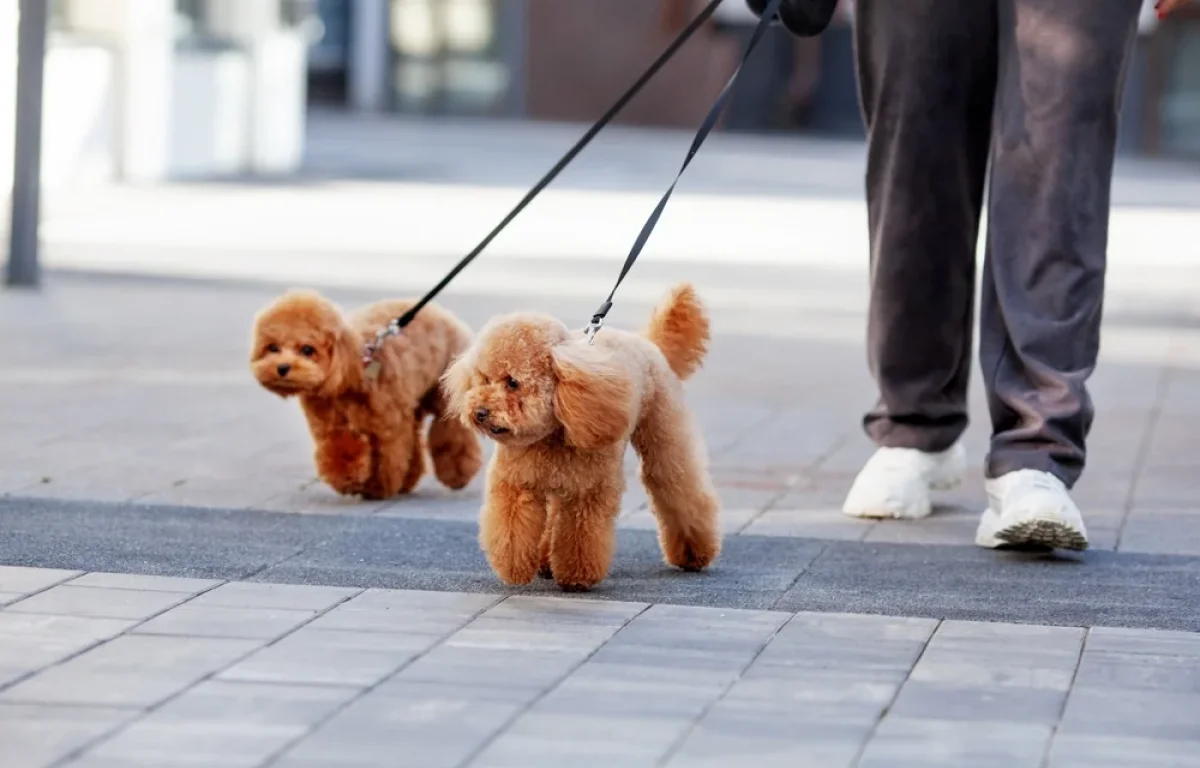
{"type": "Point", "coordinates": [527, 378]}
{"type": "Point", "coordinates": [302, 346]}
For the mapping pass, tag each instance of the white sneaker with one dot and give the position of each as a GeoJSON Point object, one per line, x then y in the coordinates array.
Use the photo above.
{"type": "Point", "coordinates": [898, 482]}
{"type": "Point", "coordinates": [1030, 507]}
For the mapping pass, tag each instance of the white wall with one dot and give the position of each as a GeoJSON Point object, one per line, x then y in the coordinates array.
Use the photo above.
{"type": "Point", "coordinates": [121, 103]}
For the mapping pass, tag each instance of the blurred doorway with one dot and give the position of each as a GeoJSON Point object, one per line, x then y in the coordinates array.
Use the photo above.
{"type": "Point", "coordinates": [329, 55]}
{"type": "Point", "coordinates": [455, 56]}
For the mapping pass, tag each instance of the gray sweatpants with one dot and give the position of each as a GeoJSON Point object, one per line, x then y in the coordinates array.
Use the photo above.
{"type": "Point", "coordinates": [1035, 85]}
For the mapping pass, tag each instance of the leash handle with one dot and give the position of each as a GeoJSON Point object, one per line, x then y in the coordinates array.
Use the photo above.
{"type": "Point", "coordinates": [397, 325]}
{"type": "Point", "coordinates": [706, 126]}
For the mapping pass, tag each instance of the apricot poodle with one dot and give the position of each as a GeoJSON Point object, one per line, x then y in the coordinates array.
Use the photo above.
{"type": "Point", "coordinates": [368, 431]}
{"type": "Point", "coordinates": [562, 413]}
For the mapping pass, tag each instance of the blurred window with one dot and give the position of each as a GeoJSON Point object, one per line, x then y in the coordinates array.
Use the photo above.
{"type": "Point", "coordinates": [448, 55]}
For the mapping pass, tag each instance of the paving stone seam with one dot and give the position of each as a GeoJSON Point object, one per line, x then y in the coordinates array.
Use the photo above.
{"type": "Point", "coordinates": [282, 751]}
{"type": "Point", "coordinates": [683, 737]}
{"type": "Point", "coordinates": [90, 646]}
{"type": "Point", "coordinates": [792, 584]}
{"type": "Point", "coordinates": [883, 714]}
{"type": "Point", "coordinates": [1142, 458]}
{"type": "Point", "coordinates": [508, 722]}
{"type": "Point", "coordinates": [1049, 751]}
{"type": "Point", "coordinates": [97, 741]}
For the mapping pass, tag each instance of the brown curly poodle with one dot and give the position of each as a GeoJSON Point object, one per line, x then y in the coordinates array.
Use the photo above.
{"type": "Point", "coordinates": [368, 431]}
{"type": "Point", "coordinates": [562, 413]}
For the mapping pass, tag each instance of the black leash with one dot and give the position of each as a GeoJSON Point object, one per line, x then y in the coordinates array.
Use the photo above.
{"type": "Point", "coordinates": [397, 325]}
{"type": "Point", "coordinates": [710, 120]}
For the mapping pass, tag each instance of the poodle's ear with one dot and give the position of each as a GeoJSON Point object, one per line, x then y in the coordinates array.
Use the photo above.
{"type": "Point", "coordinates": [345, 362]}
{"type": "Point", "coordinates": [456, 382]}
{"type": "Point", "coordinates": [594, 398]}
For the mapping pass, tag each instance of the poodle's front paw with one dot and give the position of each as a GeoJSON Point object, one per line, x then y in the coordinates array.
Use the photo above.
{"type": "Point", "coordinates": [514, 574]}
{"type": "Point", "coordinates": [575, 586]}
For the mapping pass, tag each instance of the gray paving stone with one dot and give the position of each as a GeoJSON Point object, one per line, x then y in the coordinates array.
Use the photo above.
{"type": "Point", "coordinates": [30, 641]}
{"type": "Point", "coordinates": [35, 736]}
{"type": "Point", "coordinates": [715, 631]}
{"type": "Point", "coordinates": [224, 723]}
{"type": "Point", "coordinates": [216, 621]}
{"type": "Point", "coordinates": [407, 611]}
{"type": "Point", "coordinates": [8, 597]}
{"type": "Point", "coordinates": [131, 671]}
{"type": "Point", "coordinates": [951, 701]}
{"type": "Point", "coordinates": [25, 580]}
{"type": "Point", "coordinates": [644, 664]}
{"type": "Point", "coordinates": [330, 657]}
{"type": "Point", "coordinates": [99, 602]}
{"type": "Point", "coordinates": [243, 594]}
{"type": "Point", "coordinates": [1124, 712]}
{"type": "Point", "coordinates": [730, 736]}
{"type": "Point", "coordinates": [569, 737]}
{"type": "Point", "coordinates": [1099, 751]}
{"type": "Point", "coordinates": [146, 583]}
{"type": "Point", "coordinates": [533, 670]}
{"type": "Point", "coordinates": [1144, 641]}
{"type": "Point", "coordinates": [877, 643]}
{"type": "Point", "coordinates": [431, 724]}
{"type": "Point", "coordinates": [845, 693]}
{"type": "Point", "coordinates": [902, 743]}
{"type": "Point", "coordinates": [1161, 533]}
{"type": "Point", "coordinates": [976, 635]}
{"type": "Point", "coordinates": [995, 668]}
{"type": "Point", "coordinates": [1138, 671]}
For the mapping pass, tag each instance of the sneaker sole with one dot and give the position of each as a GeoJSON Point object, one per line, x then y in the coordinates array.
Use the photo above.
{"type": "Point", "coordinates": [1048, 533]}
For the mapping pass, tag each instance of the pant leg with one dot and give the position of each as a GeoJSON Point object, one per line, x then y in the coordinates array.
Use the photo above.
{"type": "Point", "coordinates": [1062, 65]}
{"type": "Point", "coordinates": [926, 73]}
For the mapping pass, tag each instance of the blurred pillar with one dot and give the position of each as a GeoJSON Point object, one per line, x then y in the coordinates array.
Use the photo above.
{"type": "Point", "coordinates": [368, 62]}
{"type": "Point", "coordinates": [278, 91]}
{"type": "Point", "coordinates": [143, 34]}
{"type": "Point", "coordinates": [23, 268]}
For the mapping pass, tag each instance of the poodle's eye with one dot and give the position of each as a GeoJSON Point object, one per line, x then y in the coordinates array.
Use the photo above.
{"type": "Point", "coordinates": [273, 348]}
{"type": "Point", "coordinates": [307, 350]}
{"type": "Point", "coordinates": [513, 383]}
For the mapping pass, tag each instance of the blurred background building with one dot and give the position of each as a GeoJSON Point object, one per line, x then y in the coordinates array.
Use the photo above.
{"type": "Point", "coordinates": [145, 90]}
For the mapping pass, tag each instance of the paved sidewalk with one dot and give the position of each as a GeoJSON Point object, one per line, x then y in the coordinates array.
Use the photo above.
{"type": "Point", "coordinates": [114, 671]}
{"type": "Point", "coordinates": [180, 590]}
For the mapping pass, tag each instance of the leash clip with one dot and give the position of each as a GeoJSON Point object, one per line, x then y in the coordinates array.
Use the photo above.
{"type": "Point", "coordinates": [369, 362]}
{"type": "Point", "coordinates": [593, 328]}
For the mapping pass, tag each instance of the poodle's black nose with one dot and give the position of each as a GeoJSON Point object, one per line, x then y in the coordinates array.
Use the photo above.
{"type": "Point", "coordinates": [481, 414]}
{"type": "Point", "coordinates": [283, 369]}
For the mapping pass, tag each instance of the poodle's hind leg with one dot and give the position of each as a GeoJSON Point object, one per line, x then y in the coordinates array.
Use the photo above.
{"type": "Point", "coordinates": [545, 571]}
{"type": "Point", "coordinates": [455, 451]}
{"type": "Point", "coordinates": [583, 539]}
{"type": "Point", "coordinates": [680, 488]}
{"type": "Point", "coordinates": [510, 531]}
{"type": "Point", "coordinates": [399, 463]}
{"type": "Point", "coordinates": [343, 460]}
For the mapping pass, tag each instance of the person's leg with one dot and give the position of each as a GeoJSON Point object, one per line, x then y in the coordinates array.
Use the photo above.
{"type": "Point", "coordinates": [1062, 67]}
{"type": "Point", "coordinates": [926, 71]}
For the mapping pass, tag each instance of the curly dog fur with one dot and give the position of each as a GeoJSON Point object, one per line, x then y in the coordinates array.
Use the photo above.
{"type": "Point", "coordinates": [562, 413]}
{"type": "Point", "coordinates": [368, 432]}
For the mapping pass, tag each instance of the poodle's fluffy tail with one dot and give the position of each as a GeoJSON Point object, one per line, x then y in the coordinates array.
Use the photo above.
{"type": "Point", "coordinates": [679, 327]}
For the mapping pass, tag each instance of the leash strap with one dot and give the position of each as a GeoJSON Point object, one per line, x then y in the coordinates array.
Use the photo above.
{"type": "Point", "coordinates": [397, 325]}
{"type": "Point", "coordinates": [710, 121]}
